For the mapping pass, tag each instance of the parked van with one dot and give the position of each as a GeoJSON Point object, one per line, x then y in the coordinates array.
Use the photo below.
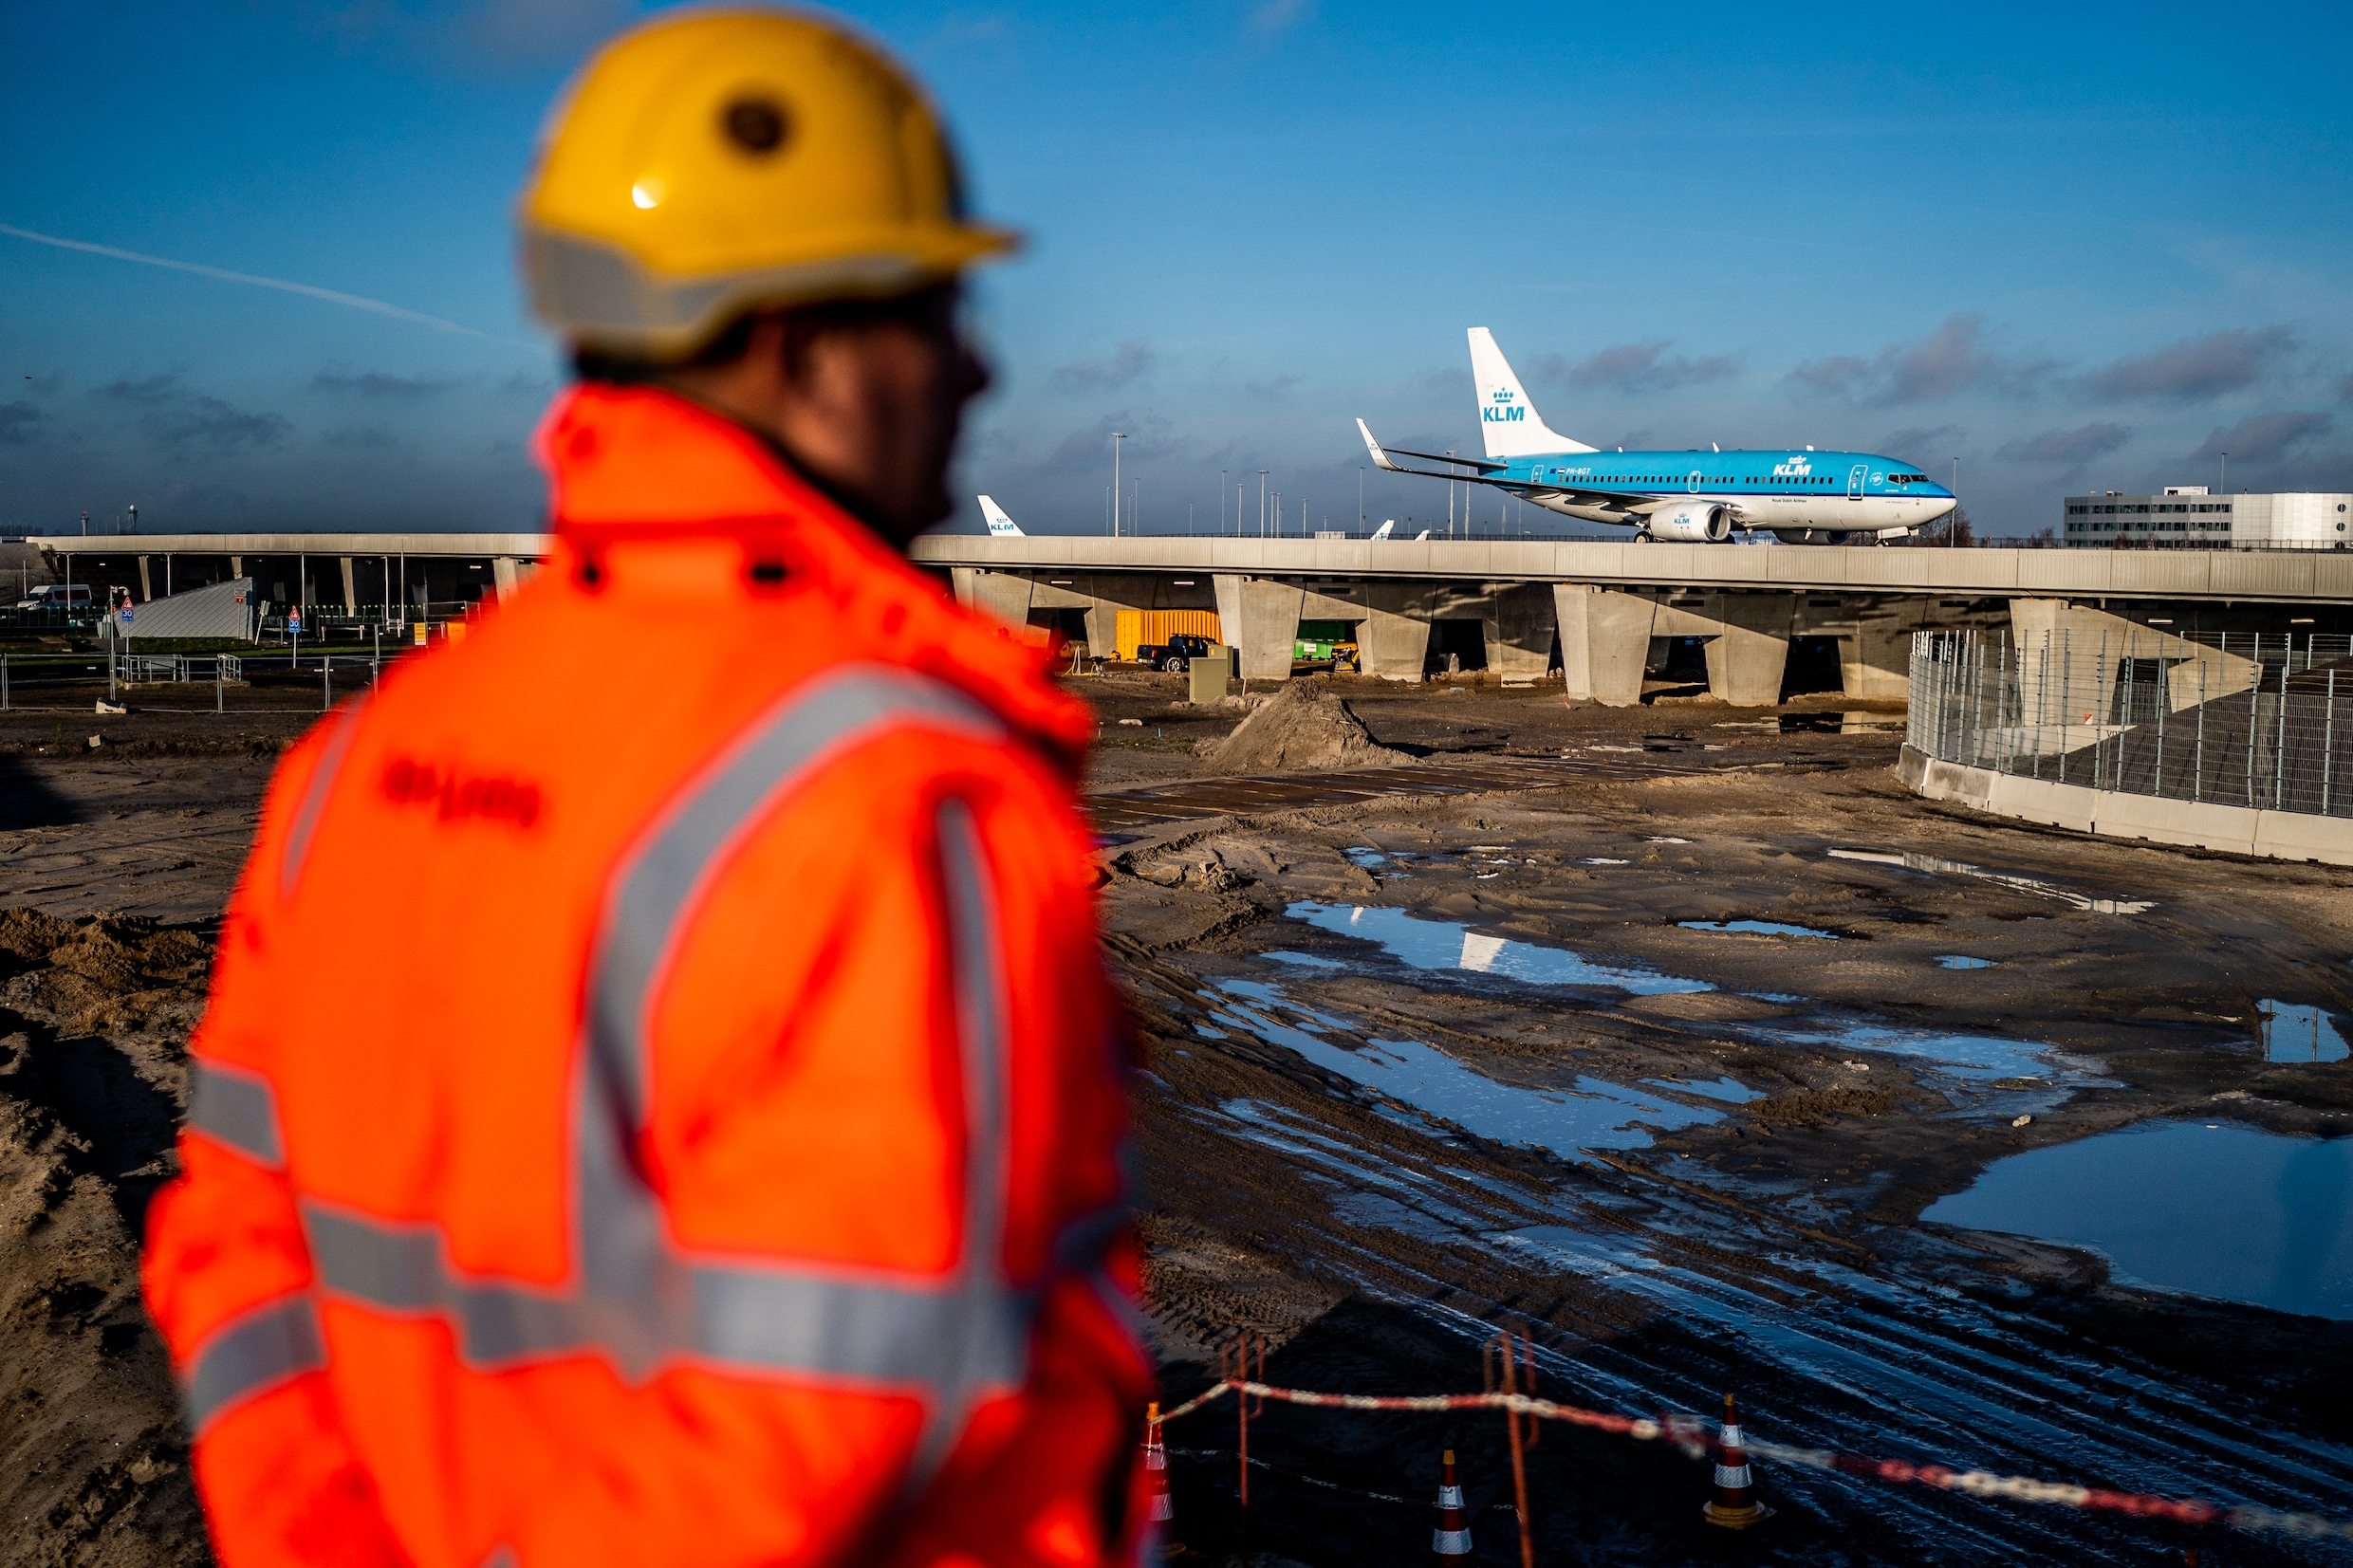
{"type": "Point", "coordinates": [56, 595]}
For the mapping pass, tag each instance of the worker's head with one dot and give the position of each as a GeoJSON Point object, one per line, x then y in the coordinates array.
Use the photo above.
{"type": "Point", "coordinates": [757, 208]}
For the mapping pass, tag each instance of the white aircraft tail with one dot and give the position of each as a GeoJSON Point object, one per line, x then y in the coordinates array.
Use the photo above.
{"type": "Point", "coordinates": [1508, 421]}
{"type": "Point", "coordinates": [1385, 529]}
{"type": "Point", "coordinates": [999, 524]}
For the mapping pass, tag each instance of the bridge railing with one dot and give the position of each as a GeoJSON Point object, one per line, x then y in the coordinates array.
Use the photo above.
{"type": "Point", "coordinates": [2244, 719]}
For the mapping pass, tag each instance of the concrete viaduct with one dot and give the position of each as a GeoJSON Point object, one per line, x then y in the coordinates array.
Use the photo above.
{"type": "Point", "coordinates": [1593, 610]}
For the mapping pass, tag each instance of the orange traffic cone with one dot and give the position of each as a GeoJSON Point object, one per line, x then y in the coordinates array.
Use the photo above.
{"type": "Point", "coordinates": [1450, 1540]}
{"type": "Point", "coordinates": [1734, 1505]}
{"type": "Point", "coordinates": [1155, 1467]}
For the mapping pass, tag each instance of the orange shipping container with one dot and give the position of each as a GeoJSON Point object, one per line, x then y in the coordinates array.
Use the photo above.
{"type": "Point", "coordinates": [1138, 628]}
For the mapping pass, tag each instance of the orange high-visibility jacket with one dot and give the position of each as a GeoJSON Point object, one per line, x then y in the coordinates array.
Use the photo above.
{"type": "Point", "coordinates": [661, 1100]}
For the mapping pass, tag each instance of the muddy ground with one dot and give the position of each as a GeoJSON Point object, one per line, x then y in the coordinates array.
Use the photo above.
{"type": "Point", "coordinates": [1771, 1246]}
{"type": "Point", "coordinates": [1774, 1247]}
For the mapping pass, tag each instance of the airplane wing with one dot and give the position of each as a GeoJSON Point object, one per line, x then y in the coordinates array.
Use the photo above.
{"type": "Point", "coordinates": [1381, 459]}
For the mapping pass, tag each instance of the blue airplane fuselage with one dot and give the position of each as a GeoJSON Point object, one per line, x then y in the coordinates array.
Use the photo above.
{"type": "Point", "coordinates": [1834, 491]}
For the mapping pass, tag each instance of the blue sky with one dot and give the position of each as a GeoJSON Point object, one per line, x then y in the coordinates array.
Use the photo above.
{"type": "Point", "coordinates": [2075, 248]}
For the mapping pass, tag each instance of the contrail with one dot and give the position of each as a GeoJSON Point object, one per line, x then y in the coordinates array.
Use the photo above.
{"type": "Point", "coordinates": [357, 301]}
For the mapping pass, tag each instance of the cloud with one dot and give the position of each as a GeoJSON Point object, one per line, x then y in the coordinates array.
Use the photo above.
{"type": "Point", "coordinates": [149, 390]}
{"type": "Point", "coordinates": [1089, 448]}
{"type": "Point", "coordinates": [1125, 363]}
{"type": "Point", "coordinates": [534, 31]}
{"type": "Point", "coordinates": [2080, 445]}
{"type": "Point", "coordinates": [494, 33]}
{"type": "Point", "coordinates": [1273, 389]}
{"type": "Point", "coordinates": [2264, 437]}
{"type": "Point", "coordinates": [1278, 16]}
{"type": "Point", "coordinates": [178, 418]}
{"type": "Point", "coordinates": [1636, 367]}
{"type": "Point", "coordinates": [1914, 440]}
{"type": "Point", "coordinates": [1452, 382]}
{"type": "Point", "coordinates": [2195, 369]}
{"type": "Point", "coordinates": [362, 438]}
{"type": "Point", "coordinates": [16, 422]}
{"type": "Point", "coordinates": [1959, 357]}
{"type": "Point", "coordinates": [375, 383]}
{"type": "Point", "coordinates": [210, 422]}
{"type": "Point", "coordinates": [2345, 389]}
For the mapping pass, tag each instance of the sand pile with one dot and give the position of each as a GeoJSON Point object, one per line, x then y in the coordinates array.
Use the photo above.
{"type": "Point", "coordinates": [1304, 727]}
{"type": "Point", "coordinates": [94, 1021]}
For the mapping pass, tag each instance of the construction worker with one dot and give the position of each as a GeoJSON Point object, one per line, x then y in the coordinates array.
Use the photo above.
{"type": "Point", "coordinates": [661, 1100]}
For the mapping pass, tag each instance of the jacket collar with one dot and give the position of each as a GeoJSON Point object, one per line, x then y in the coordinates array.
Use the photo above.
{"type": "Point", "coordinates": [639, 463]}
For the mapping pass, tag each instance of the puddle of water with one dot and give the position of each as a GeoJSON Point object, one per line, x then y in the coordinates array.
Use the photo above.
{"type": "Point", "coordinates": [1594, 1114]}
{"type": "Point", "coordinates": [1974, 1057]}
{"type": "Point", "coordinates": [1366, 857]}
{"type": "Point", "coordinates": [2041, 888]}
{"type": "Point", "coordinates": [1730, 1090]}
{"type": "Point", "coordinates": [1451, 944]}
{"type": "Point", "coordinates": [1962, 961]}
{"type": "Point", "coordinates": [2226, 1211]}
{"type": "Point", "coordinates": [1761, 928]}
{"type": "Point", "coordinates": [1666, 841]}
{"type": "Point", "coordinates": [2295, 1032]}
{"type": "Point", "coordinates": [1597, 861]}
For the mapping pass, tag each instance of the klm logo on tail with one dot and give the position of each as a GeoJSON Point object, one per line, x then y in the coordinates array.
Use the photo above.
{"type": "Point", "coordinates": [1503, 409]}
{"type": "Point", "coordinates": [999, 524]}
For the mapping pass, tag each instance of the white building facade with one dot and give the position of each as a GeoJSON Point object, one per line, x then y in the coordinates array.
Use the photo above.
{"type": "Point", "coordinates": [2186, 517]}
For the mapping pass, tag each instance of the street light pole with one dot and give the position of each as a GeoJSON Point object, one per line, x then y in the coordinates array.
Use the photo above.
{"type": "Point", "coordinates": [1953, 527]}
{"type": "Point", "coordinates": [1221, 501]}
{"type": "Point", "coordinates": [1117, 436]}
{"type": "Point", "coordinates": [1262, 503]}
{"type": "Point", "coordinates": [2226, 473]}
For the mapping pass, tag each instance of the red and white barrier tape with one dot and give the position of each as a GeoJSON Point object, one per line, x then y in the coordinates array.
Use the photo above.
{"type": "Point", "coordinates": [1691, 1435]}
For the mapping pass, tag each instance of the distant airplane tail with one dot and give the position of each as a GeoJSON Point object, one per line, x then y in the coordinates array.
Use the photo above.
{"type": "Point", "coordinates": [999, 524]}
{"type": "Point", "coordinates": [1385, 529]}
{"type": "Point", "coordinates": [1508, 421]}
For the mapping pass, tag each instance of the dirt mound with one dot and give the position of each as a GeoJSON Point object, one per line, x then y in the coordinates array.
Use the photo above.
{"type": "Point", "coordinates": [1304, 727]}
{"type": "Point", "coordinates": [94, 1019]}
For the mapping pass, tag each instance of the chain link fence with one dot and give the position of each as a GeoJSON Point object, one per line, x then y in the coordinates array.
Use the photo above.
{"type": "Point", "coordinates": [2241, 718]}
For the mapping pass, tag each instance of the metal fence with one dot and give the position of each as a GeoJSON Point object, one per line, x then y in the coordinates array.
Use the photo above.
{"type": "Point", "coordinates": [2245, 719]}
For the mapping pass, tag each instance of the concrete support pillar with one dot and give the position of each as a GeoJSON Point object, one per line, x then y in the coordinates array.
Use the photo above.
{"type": "Point", "coordinates": [1875, 658]}
{"type": "Point", "coordinates": [1604, 642]}
{"type": "Point", "coordinates": [146, 585]}
{"type": "Point", "coordinates": [1518, 629]}
{"type": "Point", "coordinates": [960, 581]}
{"type": "Point", "coordinates": [503, 580]}
{"type": "Point", "coordinates": [1001, 595]}
{"type": "Point", "coordinates": [2053, 643]}
{"type": "Point", "coordinates": [1392, 647]}
{"type": "Point", "coordinates": [1261, 621]}
{"type": "Point", "coordinates": [1102, 629]}
{"type": "Point", "coordinates": [1746, 658]}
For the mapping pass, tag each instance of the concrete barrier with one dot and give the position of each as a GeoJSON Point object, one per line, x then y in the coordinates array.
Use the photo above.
{"type": "Point", "coordinates": [2192, 824]}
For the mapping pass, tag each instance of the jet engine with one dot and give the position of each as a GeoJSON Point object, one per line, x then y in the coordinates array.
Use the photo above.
{"type": "Point", "coordinates": [1697, 523]}
{"type": "Point", "coordinates": [1814, 536]}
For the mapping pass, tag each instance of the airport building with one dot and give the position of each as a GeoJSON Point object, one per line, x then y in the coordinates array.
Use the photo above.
{"type": "Point", "coordinates": [2186, 517]}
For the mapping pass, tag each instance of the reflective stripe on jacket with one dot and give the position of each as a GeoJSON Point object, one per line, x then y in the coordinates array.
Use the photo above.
{"type": "Point", "coordinates": [661, 1100]}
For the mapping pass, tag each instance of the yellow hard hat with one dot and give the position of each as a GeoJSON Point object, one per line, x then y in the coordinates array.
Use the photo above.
{"type": "Point", "coordinates": [723, 160]}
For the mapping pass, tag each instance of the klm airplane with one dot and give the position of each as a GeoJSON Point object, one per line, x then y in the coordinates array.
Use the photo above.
{"type": "Point", "coordinates": [1694, 498]}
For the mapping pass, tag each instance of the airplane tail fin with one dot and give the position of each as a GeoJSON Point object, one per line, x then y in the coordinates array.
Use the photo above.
{"type": "Point", "coordinates": [1508, 421]}
{"type": "Point", "coordinates": [999, 524]}
{"type": "Point", "coordinates": [1385, 529]}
